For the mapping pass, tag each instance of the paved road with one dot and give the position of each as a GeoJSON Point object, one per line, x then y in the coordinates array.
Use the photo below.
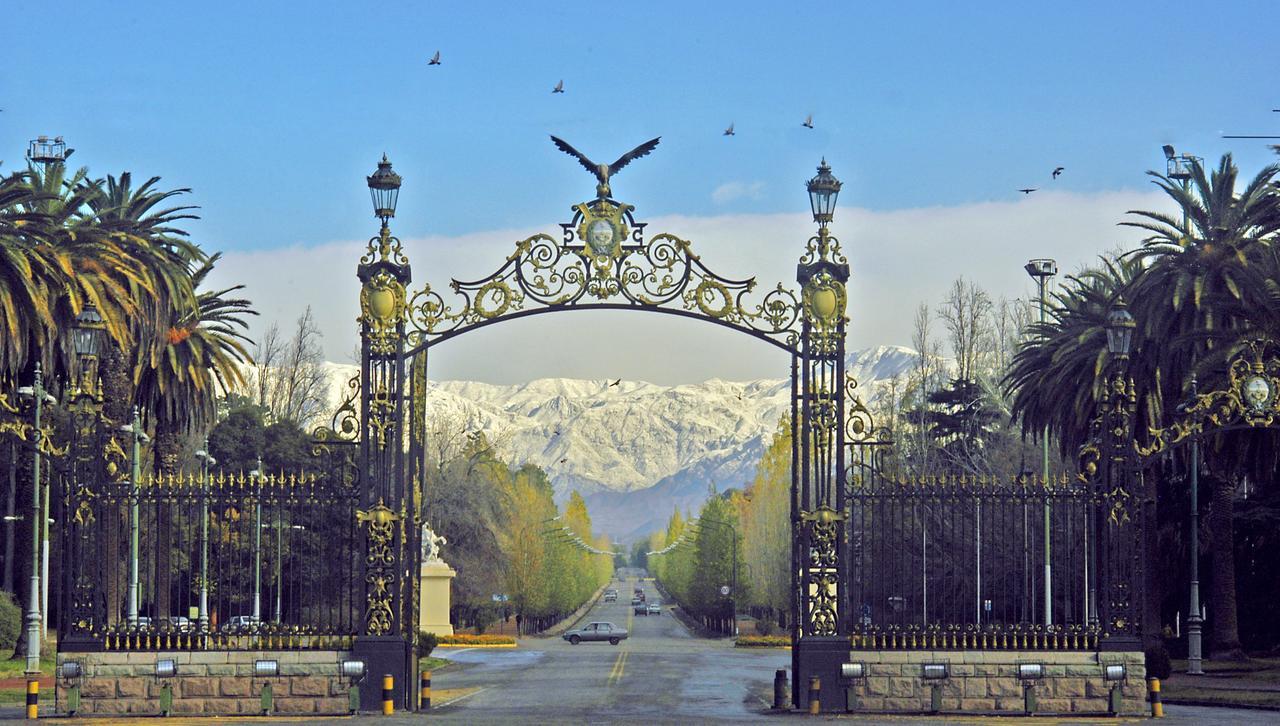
{"type": "Point", "coordinates": [660, 673]}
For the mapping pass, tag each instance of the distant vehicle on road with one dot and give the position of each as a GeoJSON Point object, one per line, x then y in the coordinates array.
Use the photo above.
{"type": "Point", "coordinates": [641, 608]}
{"type": "Point", "coordinates": [597, 631]}
{"type": "Point", "coordinates": [655, 608]}
{"type": "Point", "coordinates": [636, 601]}
{"type": "Point", "coordinates": [639, 594]}
{"type": "Point", "coordinates": [610, 595]}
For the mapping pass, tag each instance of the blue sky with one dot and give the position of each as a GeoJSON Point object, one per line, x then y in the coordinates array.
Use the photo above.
{"type": "Point", "coordinates": [274, 113]}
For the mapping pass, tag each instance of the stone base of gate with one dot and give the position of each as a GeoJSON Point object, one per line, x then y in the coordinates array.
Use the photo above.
{"type": "Point", "coordinates": [208, 683]}
{"type": "Point", "coordinates": [986, 682]}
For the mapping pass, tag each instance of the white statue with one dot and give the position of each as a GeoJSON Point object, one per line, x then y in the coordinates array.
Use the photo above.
{"type": "Point", "coordinates": [431, 543]}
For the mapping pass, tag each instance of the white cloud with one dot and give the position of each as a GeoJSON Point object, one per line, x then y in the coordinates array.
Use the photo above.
{"type": "Point", "coordinates": [898, 258]}
{"type": "Point", "coordinates": [732, 191]}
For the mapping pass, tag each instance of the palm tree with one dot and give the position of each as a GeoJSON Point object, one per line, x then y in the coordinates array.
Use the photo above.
{"type": "Point", "coordinates": [27, 274]}
{"type": "Point", "coordinates": [1202, 284]}
{"type": "Point", "coordinates": [202, 354]}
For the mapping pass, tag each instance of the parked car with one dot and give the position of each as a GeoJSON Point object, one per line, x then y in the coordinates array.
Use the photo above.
{"type": "Point", "coordinates": [597, 631]}
{"type": "Point", "coordinates": [237, 623]}
{"type": "Point", "coordinates": [180, 623]}
{"type": "Point", "coordinates": [655, 608]}
{"type": "Point", "coordinates": [641, 608]}
{"type": "Point", "coordinates": [636, 601]}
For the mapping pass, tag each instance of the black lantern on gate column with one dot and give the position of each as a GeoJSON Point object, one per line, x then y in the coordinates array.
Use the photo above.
{"type": "Point", "coordinates": [823, 191]}
{"type": "Point", "coordinates": [384, 188]}
{"type": "Point", "coordinates": [1120, 325]}
{"type": "Point", "coordinates": [86, 339]}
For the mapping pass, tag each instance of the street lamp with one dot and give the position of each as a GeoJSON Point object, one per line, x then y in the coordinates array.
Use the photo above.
{"type": "Point", "coordinates": [1041, 270]}
{"type": "Point", "coordinates": [206, 461]}
{"type": "Point", "coordinates": [384, 189]}
{"type": "Point", "coordinates": [823, 191]}
{"type": "Point", "coordinates": [139, 437]}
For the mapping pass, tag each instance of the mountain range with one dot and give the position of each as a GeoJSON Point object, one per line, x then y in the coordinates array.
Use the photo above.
{"type": "Point", "coordinates": [634, 450]}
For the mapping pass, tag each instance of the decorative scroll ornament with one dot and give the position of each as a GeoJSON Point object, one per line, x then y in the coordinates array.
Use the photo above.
{"type": "Point", "coordinates": [604, 259]}
{"type": "Point", "coordinates": [1251, 398]}
{"type": "Point", "coordinates": [380, 572]}
{"type": "Point", "coordinates": [821, 573]}
{"type": "Point", "coordinates": [344, 428]}
{"type": "Point", "coordinates": [382, 310]}
{"type": "Point", "coordinates": [384, 248]}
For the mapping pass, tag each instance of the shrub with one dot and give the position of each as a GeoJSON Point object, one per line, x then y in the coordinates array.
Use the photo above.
{"type": "Point", "coordinates": [763, 641]}
{"type": "Point", "coordinates": [10, 622]}
{"type": "Point", "coordinates": [1158, 664]}
{"type": "Point", "coordinates": [764, 626]}
{"type": "Point", "coordinates": [427, 642]}
{"type": "Point", "coordinates": [468, 639]}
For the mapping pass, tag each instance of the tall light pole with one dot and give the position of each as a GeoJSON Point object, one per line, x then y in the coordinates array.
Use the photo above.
{"type": "Point", "coordinates": [1041, 270]}
{"type": "Point", "coordinates": [38, 396]}
{"type": "Point", "coordinates": [135, 468]}
{"type": "Point", "coordinates": [256, 476]}
{"type": "Point", "coordinates": [1180, 167]}
{"type": "Point", "coordinates": [206, 461]}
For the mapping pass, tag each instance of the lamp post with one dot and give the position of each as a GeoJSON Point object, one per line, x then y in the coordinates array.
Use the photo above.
{"type": "Point", "coordinates": [1179, 167]}
{"type": "Point", "coordinates": [256, 478]}
{"type": "Point", "coordinates": [38, 396]}
{"type": "Point", "coordinates": [1041, 270]}
{"type": "Point", "coordinates": [206, 461]}
{"type": "Point", "coordinates": [135, 475]}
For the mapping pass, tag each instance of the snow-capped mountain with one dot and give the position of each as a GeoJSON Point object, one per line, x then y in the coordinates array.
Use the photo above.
{"type": "Point", "coordinates": [635, 450]}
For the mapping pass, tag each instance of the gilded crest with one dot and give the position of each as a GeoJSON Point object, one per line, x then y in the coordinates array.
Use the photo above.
{"type": "Point", "coordinates": [602, 229]}
{"type": "Point", "coordinates": [824, 301]}
{"type": "Point", "coordinates": [382, 309]}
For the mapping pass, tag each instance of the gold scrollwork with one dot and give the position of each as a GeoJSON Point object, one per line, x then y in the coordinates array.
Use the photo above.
{"type": "Point", "coordinates": [382, 310]}
{"type": "Point", "coordinates": [824, 301]}
{"type": "Point", "coordinates": [662, 272]}
{"type": "Point", "coordinates": [380, 573]}
{"type": "Point", "coordinates": [1251, 397]}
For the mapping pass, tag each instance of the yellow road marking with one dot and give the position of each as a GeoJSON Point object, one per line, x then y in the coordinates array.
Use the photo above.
{"type": "Point", "coordinates": [619, 668]}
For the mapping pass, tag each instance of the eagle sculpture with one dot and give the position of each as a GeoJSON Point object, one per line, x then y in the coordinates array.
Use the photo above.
{"type": "Point", "coordinates": [604, 171]}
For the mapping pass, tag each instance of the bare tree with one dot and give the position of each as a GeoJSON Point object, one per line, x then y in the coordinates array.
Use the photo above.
{"type": "Point", "coordinates": [965, 312]}
{"type": "Point", "coordinates": [290, 380]}
{"type": "Point", "coordinates": [926, 370]}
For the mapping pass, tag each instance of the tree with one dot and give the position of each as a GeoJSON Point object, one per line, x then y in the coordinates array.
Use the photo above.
{"type": "Point", "coordinates": [965, 312]}
{"type": "Point", "coordinates": [289, 376]}
{"type": "Point", "coordinates": [766, 528]}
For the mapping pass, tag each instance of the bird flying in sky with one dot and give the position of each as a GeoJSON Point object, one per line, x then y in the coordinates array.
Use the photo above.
{"type": "Point", "coordinates": [808, 122]}
{"type": "Point", "coordinates": [729, 131]}
{"type": "Point", "coordinates": [1026, 191]}
{"type": "Point", "coordinates": [559, 87]}
{"type": "Point", "coordinates": [1058, 171]}
{"type": "Point", "coordinates": [435, 59]}
{"type": "Point", "coordinates": [611, 385]}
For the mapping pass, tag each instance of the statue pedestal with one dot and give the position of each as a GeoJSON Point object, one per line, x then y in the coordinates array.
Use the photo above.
{"type": "Point", "coordinates": [433, 613]}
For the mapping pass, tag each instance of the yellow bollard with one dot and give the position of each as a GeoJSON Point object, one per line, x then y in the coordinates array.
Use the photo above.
{"type": "Point", "coordinates": [424, 696]}
{"type": "Point", "coordinates": [1153, 689]}
{"type": "Point", "coordinates": [388, 685]}
{"type": "Point", "coordinates": [33, 698]}
{"type": "Point", "coordinates": [815, 695]}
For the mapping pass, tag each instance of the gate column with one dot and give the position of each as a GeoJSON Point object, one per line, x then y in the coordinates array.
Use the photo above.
{"type": "Point", "coordinates": [385, 638]}
{"type": "Point", "coordinates": [819, 609]}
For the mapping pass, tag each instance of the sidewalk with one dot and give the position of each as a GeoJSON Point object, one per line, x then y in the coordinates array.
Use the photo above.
{"type": "Point", "coordinates": [1254, 683]}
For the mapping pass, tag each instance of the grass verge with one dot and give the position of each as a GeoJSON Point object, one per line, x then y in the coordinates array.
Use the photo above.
{"type": "Point", "coordinates": [1220, 696]}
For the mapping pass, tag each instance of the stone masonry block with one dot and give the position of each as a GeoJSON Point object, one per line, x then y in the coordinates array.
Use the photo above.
{"type": "Point", "coordinates": [878, 686]}
{"type": "Point", "coordinates": [113, 670]}
{"type": "Point", "coordinates": [1096, 688]}
{"type": "Point", "coordinates": [902, 704]}
{"type": "Point", "coordinates": [868, 703]}
{"type": "Point", "coordinates": [945, 704]}
{"type": "Point", "coordinates": [308, 686]}
{"type": "Point", "coordinates": [295, 705]}
{"type": "Point", "coordinates": [209, 657]}
{"type": "Point", "coordinates": [975, 687]}
{"type": "Point", "coordinates": [298, 669]}
{"type": "Point", "coordinates": [98, 688]}
{"type": "Point", "coordinates": [977, 705]}
{"type": "Point", "coordinates": [951, 688]}
{"type": "Point", "coordinates": [234, 687]}
{"type": "Point", "coordinates": [131, 688]}
{"type": "Point", "coordinates": [1053, 705]}
{"type": "Point", "coordinates": [1068, 687]}
{"type": "Point", "coordinates": [198, 687]}
{"type": "Point", "coordinates": [1092, 671]}
{"type": "Point", "coordinates": [248, 705]}
{"type": "Point", "coordinates": [963, 670]}
{"type": "Point", "coordinates": [223, 670]}
{"type": "Point", "coordinates": [1089, 705]}
{"type": "Point", "coordinates": [902, 687]}
{"type": "Point", "coordinates": [332, 705]}
{"type": "Point", "coordinates": [111, 707]}
{"type": "Point", "coordinates": [1015, 705]}
{"type": "Point", "coordinates": [190, 705]}
{"type": "Point", "coordinates": [1004, 687]}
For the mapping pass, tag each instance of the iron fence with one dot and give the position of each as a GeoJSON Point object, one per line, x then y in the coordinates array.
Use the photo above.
{"type": "Point", "coordinates": [959, 562]}
{"type": "Point", "coordinates": [212, 561]}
